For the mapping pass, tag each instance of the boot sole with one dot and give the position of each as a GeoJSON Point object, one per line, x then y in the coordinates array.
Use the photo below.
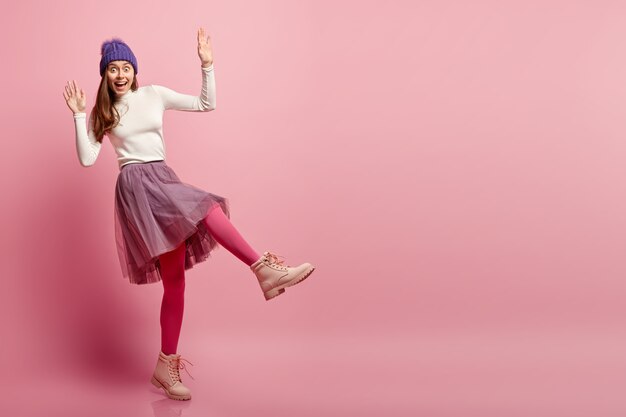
{"type": "Point", "coordinates": [275, 292]}
{"type": "Point", "coordinates": [157, 384]}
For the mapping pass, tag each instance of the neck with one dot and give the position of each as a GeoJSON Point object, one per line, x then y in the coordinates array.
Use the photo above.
{"type": "Point", "coordinates": [125, 94]}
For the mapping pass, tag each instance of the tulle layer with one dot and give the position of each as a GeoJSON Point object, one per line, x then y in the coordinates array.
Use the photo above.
{"type": "Point", "coordinates": [154, 213]}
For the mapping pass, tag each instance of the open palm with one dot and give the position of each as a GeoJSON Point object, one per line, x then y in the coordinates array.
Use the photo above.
{"type": "Point", "coordinates": [75, 97]}
{"type": "Point", "coordinates": [205, 51]}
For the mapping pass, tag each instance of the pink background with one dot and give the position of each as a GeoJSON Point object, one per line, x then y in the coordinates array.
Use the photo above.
{"type": "Point", "coordinates": [454, 169]}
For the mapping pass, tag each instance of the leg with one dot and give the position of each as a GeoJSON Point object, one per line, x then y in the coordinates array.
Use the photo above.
{"type": "Point", "coordinates": [226, 235]}
{"type": "Point", "coordinates": [272, 275]}
{"type": "Point", "coordinates": [172, 307]}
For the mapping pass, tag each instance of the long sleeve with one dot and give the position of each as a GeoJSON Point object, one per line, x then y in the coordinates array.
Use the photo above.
{"type": "Point", "coordinates": [87, 147]}
{"type": "Point", "coordinates": [177, 101]}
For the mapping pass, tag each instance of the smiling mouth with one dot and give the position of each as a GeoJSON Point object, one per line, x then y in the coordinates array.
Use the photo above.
{"type": "Point", "coordinates": [121, 85]}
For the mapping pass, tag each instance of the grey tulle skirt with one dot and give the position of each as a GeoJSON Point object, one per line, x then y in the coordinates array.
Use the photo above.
{"type": "Point", "coordinates": [155, 213]}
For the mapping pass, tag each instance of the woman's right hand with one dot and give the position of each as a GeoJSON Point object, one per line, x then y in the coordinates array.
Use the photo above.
{"type": "Point", "coordinates": [75, 97]}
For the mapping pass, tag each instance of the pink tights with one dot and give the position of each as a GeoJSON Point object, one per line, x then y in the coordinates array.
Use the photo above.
{"type": "Point", "coordinates": [173, 274]}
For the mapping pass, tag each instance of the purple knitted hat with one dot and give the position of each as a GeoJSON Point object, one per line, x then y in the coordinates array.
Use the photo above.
{"type": "Point", "coordinates": [116, 49]}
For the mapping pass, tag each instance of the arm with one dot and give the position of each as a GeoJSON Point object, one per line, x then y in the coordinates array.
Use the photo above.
{"type": "Point", "coordinates": [87, 147]}
{"type": "Point", "coordinates": [204, 102]}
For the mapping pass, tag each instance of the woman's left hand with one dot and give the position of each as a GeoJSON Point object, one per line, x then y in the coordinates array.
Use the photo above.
{"type": "Point", "coordinates": [204, 48]}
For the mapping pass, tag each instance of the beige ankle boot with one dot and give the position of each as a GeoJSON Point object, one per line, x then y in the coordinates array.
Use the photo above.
{"type": "Point", "coordinates": [274, 277]}
{"type": "Point", "coordinates": [167, 376]}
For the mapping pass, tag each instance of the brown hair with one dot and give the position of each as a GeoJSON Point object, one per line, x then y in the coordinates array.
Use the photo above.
{"type": "Point", "coordinates": [104, 115]}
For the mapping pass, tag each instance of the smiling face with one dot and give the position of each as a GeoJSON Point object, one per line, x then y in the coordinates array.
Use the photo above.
{"type": "Point", "coordinates": [120, 75]}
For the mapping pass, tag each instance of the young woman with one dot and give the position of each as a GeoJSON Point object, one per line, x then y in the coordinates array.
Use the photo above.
{"type": "Point", "coordinates": [162, 225]}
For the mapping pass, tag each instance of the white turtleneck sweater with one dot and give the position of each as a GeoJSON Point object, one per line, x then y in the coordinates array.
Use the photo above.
{"type": "Point", "coordinates": [139, 135]}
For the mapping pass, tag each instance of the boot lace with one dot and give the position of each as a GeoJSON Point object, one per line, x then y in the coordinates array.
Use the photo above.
{"type": "Point", "coordinates": [274, 259]}
{"type": "Point", "coordinates": [175, 365]}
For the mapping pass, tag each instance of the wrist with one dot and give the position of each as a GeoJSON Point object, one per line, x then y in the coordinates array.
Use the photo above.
{"type": "Point", "coordinates": [207, 64]}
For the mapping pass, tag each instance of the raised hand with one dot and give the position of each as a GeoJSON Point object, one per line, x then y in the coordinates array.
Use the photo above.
{"type": "Point", "coordinates": [205, 51]}
{"type": "Point", "coordinates": [75, 97]}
